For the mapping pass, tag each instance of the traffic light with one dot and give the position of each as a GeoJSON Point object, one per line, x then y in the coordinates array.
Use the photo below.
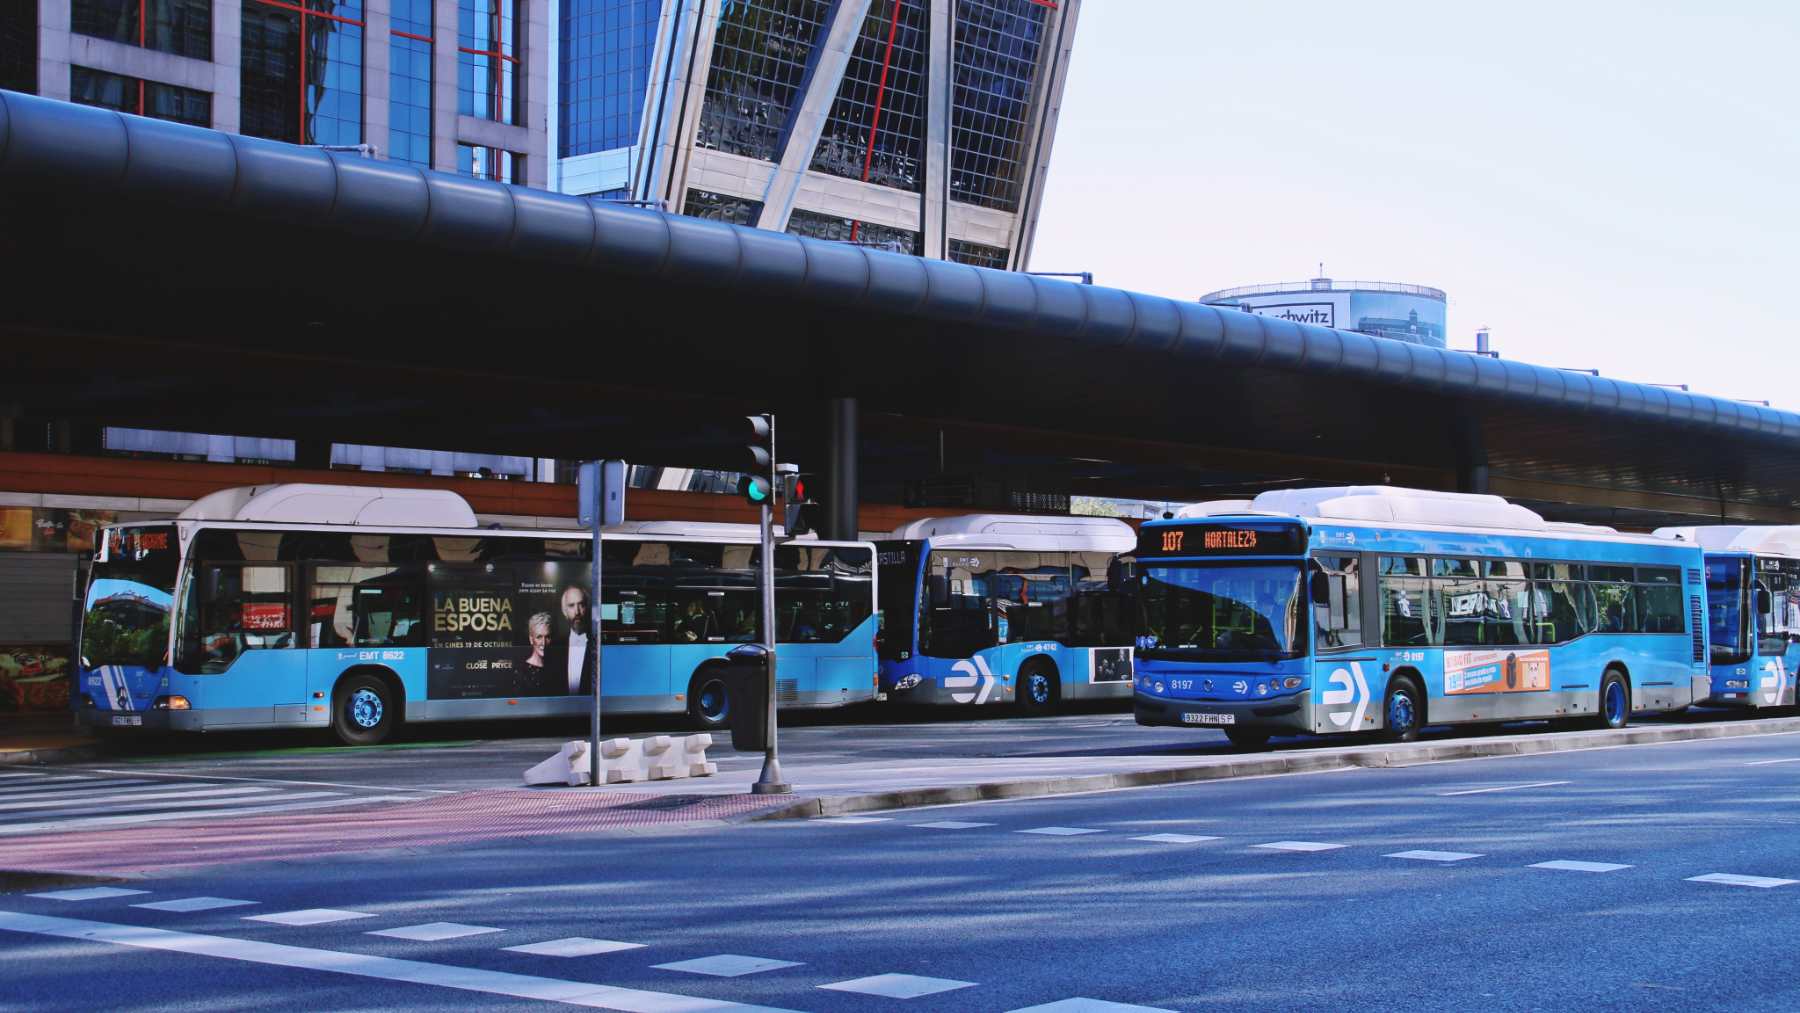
{"type": "Point", "coordinates": [755, 484]}
{"type": "Point", "coordinates": [795, 504]}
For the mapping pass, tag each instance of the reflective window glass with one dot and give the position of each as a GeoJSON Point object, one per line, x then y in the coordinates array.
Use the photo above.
{"type": "Point", "coordinates": [845, 230]}
{"type": "Point", "coordinates": [996, 60]}
{"type": "Point", "coordinates": [231, 609]}
{"type": "Point", "coordinates": [875, 131]}
{"type": "Point", "coordinates": [761, 49]}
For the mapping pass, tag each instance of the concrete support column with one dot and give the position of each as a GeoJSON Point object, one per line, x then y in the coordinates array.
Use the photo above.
{"type": "Point", "coordinates": [53, 49]}
{"type": "Point", "coordinates": [377, 78]}
{"type": "Point", "coordinates": [842, 451]}
{"type": "Point", "coordinates": [228, 66]}
{"type": "Point", "coordinates": [932, 210]}
{"type": "Point", "coordinates": [443, 85]}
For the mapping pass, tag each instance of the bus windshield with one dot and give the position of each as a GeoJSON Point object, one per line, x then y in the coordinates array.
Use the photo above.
{"type": "Point", "coordinates": [126, 617]}
{"type": "Point", "coordinates": [1223, 612]}
{"type": "Point", "coordinates": [1726, 590]}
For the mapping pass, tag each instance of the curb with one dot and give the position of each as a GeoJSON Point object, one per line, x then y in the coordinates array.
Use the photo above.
{"type": "Point", "coordinates": [56, 754]}
{"type": "Point", "coordinates": [1279, 763]}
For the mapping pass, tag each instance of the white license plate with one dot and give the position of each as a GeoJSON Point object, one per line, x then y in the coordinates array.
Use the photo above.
{"type": "Point", "coordinates": [1192, 718]}
{"type": "Point", "coordinates": [134, 719]}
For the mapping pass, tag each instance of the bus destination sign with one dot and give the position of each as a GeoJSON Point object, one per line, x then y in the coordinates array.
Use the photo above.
{"type": "Point", "coordinates": [1251, 539]}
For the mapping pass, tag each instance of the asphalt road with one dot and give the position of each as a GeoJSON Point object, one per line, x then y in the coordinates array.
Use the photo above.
{"type": "Point", "coordinates": [1421, 887]}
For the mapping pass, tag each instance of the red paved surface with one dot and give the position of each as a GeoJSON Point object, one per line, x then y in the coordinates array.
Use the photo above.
{"type": "Point", "coordinates": [453, 819]}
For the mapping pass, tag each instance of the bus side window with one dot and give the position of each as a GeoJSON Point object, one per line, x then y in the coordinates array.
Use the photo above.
{"type": "Point", "coordinates": [1338, 618]}
{"type": "Point", "coordinates": [238, 608]}
{"type": "Point", "coordinates": [1406, 611]}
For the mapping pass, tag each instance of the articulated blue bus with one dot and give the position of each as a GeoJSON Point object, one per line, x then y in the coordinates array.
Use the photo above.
{"type": "Point", "coordinates": [1374, 608]}
{"type": "Point", "coordinates": [1752, 609]}
{"type": "Point", "coordinates": [995, 609]}
{"type": "Point", "coordinates": [359, 609]}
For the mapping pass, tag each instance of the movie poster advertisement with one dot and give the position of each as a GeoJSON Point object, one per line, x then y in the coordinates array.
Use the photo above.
{"type": "Point", "coordinates": [44, 529]}
{"type": "Point", "coordinates": [508, 630]}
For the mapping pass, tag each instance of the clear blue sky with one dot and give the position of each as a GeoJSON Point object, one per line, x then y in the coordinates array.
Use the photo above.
{"type": "Point", "coordinates": [1604, 184]}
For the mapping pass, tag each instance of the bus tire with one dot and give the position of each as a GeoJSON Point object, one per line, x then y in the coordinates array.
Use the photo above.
{"type": "Point", "coordinates": [363, 710]}
{"type": "Point", "coordinates": [1039, 687]}
{"type": "Point", "coordinates": [1247, 739]}
{"type": "Point", "coordinates": [709, 699]}
{"type": "Point", "coordinates": [1615, 699]}
{"type": "Point", "coordinates": [1403, 709]}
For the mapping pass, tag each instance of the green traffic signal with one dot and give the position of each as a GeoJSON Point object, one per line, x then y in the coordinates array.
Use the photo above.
{"type": "Point", "coordinates": [755, 489]}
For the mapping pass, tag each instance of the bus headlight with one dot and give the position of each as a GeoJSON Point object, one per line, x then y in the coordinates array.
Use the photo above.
{"type": "Point", "coordinates": [174, 702]}
{"type": "Point", "coordinates": [1291, 682]}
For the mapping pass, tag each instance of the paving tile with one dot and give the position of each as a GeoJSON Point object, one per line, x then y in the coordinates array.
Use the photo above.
{"type": "Point", "coordinates": [898, 986]}
{"type": "Point", "coordinates": [574, 946]}
{"type": "Point", "coordinates": [727, 965]}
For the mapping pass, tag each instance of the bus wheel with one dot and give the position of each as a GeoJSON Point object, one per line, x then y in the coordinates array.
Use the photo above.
{"type": "Point", "coordinates": [1247, 739]}
{"type": "Point", "coordinates": [1404, 710]}
{"type": "Point", "coordinates": [1037, 689]}
{"type": "Point", "coordinates": [1615, 700]}
{"type": "Point", "coordinates": [362, 712]}
{"type": "Point", "coordinates": [709, 701]}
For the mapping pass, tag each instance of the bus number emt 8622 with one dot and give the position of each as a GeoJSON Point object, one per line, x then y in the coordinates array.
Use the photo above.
{"type": "Point", "coordinates": [1352, 609]}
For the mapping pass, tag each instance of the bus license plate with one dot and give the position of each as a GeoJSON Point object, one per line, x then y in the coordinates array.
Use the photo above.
{"type": "Point", "coordinates": [135, 719]}
{"type": "Point", "coordinates": [1192, 718]}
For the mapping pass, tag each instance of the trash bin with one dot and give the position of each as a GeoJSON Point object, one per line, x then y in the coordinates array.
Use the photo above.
{"type": "Point", "coordinates": [747, 685]}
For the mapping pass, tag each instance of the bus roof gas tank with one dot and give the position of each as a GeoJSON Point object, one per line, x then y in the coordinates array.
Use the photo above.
{"type": "Point", "coordinates": [309, 503]}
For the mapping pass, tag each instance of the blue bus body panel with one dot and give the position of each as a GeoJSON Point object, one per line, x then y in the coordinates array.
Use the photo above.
{"type": "Point", "coordinates": [1345, 690]}
{"type": "Point", "coordinates": [991, 675]}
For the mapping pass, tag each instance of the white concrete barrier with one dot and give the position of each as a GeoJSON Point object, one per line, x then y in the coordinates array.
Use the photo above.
{"type": "Point", "coordinates": [622, 761]}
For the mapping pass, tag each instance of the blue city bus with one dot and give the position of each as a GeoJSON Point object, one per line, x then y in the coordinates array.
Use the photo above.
{"type": "Point", "coordinates": [1752, 611]}
{"type": "Point", "coordinates": [358, 609]}
{"type": "Point", "coordinates": [1381, 609]}
{"type": "Point", "coordinates": [995, 609]}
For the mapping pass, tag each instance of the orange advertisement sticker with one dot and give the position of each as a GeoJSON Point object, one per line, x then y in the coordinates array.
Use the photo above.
{"type": "Point", "coordinates": [1496, 671]}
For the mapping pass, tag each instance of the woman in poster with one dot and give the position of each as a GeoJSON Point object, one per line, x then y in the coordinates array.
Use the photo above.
{"type": "Point", "coordinates": [535, 673]}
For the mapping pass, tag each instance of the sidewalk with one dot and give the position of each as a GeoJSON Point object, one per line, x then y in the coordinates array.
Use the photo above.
{"type": "Point", "coordinates": [43, 737]}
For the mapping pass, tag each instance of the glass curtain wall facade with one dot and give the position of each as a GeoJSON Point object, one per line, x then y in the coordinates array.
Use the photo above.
{"type": "Point", "coordinates": [144, 98]}
{"type": "Point", "coordinates": [488, 40]}
{"type": "Point", "coordinates": [181, 27]}
{"type": "Point", "coordinates": [409, 82]}
{"type": "Point", "coordinates": [720, 207]}
{"type": "Point", "coordinates": [760, 54]}
{"type": "Point", "coordinates": [302, 71]}
{"type": "Point", "coordinates": [496, 164]}
{"type": "Point", "coordinates": [876, 129]}
{"type": "Point", "coordinates": [996, 61]}
{"type": "Point", "coordinates": [978, 254]}
{"type": "Point", "coordinates": [605, 48]}
{"type": "Point", "coordinates": [847, 230]}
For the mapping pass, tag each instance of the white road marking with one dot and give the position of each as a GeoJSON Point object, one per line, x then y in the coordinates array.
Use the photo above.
{"type": "Point", "coordinates": [1173, 839]}
{"type": "Point", "coordinates": [433, 932]}
{"type": "Point", "coordinates": [1733, 879]}
{"type": "Point", "coordinates": [1434, 856]}
{"type": "Point", "coordinates": [59, 784]}
{"type": "Point", "coordinates": [131, 819]}
{"type": "Point", "coordinates": [308, 916]}
{"type": "Point", "coordinates": [1080, 1005]}
{"type": "Point", "coordinates": [951, 825]}
{"type": "Point", "coordinates": [574, 946]}
{"type": "Point", "coordinates": [1504, 787]}
{"type": "Point", "coordinates": [187, 904]}
{"type": "Point", "coordinates": [1298, 846]}
{"type": "Point", "coordinates": [898, 986]}
{"type": "Point", "coordinates": [87, 893]}
{"type": "Point", "coordinates": [727, 965]}
{"type": "Point", "coordinates": [68, 791]}
{"type": "Point", "coordinates": [852, 820]}
{"type": "Point", "coordinates": [1764, 763]}
{"type": "Point", "coordinates": [277, 780]}
{"type": "Point", "coordinates": [468, 979]}
{"type": "Point", "coordinates": [92, 803]}
{"type": "Point", "coordinates": [1571, 866]}
{"type": "Point", "coordinates": [1060, 831]}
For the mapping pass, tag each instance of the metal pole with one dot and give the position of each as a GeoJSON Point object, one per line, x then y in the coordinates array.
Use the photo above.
{"type": "Point", "coordinates": [599, 520]}
{"type": "Point", "coordinates": [769, 782]}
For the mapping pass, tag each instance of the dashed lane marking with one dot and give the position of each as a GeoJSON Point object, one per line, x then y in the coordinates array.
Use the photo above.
{"type": "Point", "coordinates": [898, 986]}
{"type": "Point", "coordinates": [1298, 846]}
{"type": "Point", "coordinates": [187, 904]}
{"type": "Point", "coordinates": [87, 893]}
{"type": "Point", "coordinates": [1502, 787]}
{"type": "Point", "coordinates": [1764, 763]}
{"type": "Point", "coordinates": [849, 821]}
{"type": "Point", "coordinates": [1083, 1005]}
{"type": "Point", "coordinates": [727, 965]}
{"type": "Point", "coordinates": [435, 932]}
{"type": "Point", "coordinates": [1434, 856]}
{"type": "Point", "coordinates": [1060, 831]}
{"type": "Point", "coordinates": [1566, 865]}
{"type": "Point", "coordinates": [574, 946]}
{"type": "Point", "coordinates": [1733, 879]}
{"type": "Point", "coordinates": [951, 825]}
{"type": "Point", "coordinates": [467, 979]}
{"type": "Point", "coordinates": [308, 916]}
{"type": "Point", "coordinates": [1173, 839]}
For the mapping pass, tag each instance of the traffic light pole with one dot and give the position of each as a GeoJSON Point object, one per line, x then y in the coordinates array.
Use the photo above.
{"type": "Point", "coordinates": [770, 782]}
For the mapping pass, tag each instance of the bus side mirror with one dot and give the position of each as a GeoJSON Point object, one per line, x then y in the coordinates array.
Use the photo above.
{"type": "Point", "coordinates": [1764, 604]}
{"type": "Point", "coordinates": [1319, 586]}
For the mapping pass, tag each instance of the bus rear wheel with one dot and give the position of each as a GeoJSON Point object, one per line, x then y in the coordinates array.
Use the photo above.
{"type": "Point", "coordinates": [1038, 689]}
{"type": "Point", "coordinates": [709, 701]}
{"type": "Point", "coordinates": [362, 711]}
{"type": "Point", "coordinates": [1615, 700]}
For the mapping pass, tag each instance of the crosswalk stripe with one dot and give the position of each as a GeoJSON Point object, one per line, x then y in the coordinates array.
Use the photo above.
{"type": "Point", "coordinates": [57, 826]}
{"type": "Point", "coordinates": [122, 808]}
{"type": "Point", "coordinates": [467, 979]}
{"type": "Point", "coordinates": [59, 790]}
{"type": "Point", "coordinates": [50, 784]}
{"type": "Point", "coordinates": [114, 798]}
